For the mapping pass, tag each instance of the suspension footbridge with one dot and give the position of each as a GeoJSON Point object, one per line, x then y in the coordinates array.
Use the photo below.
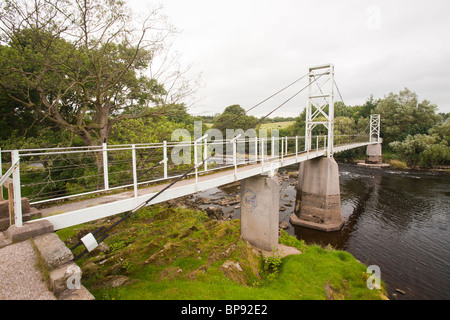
{"type": "Point", "coordinates": [81, 184]}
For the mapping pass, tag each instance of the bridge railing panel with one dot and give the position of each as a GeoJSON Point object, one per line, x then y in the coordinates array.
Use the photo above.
{"type": "Point", "coordinates": [52, 174]}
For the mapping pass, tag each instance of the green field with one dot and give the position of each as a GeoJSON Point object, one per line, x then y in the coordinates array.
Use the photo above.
{"type": "Point", "coordinates": [267, 126]}
{"type": "Point", "coordinates": [277, 125]}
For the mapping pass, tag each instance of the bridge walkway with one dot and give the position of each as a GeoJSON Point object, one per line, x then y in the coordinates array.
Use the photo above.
{"type": "Point", "coordinates": [76, 212]}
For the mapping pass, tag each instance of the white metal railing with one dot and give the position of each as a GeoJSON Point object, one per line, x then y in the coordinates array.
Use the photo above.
{"type": "Point", "coordinates": [52, 174]}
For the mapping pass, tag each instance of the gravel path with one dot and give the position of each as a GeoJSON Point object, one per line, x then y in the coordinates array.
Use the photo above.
{"type": "Point", "coordinates": [20, 279]}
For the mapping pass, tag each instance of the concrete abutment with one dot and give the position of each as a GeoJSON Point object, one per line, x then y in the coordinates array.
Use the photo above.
{"type": "Point", "coordinates": [318, 200]}
{"type": "Point", "coordinates": [374, 154]}
{"type": "Point", "coordinates": [259, 211]}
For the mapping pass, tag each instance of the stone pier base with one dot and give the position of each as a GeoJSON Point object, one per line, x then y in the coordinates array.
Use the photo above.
{"type": "Point", "coordinates": [259, 211]}
{"type": "Point", "coordinates": [374, 154]}
{"type": "Point", "coordinates": [318, 201]}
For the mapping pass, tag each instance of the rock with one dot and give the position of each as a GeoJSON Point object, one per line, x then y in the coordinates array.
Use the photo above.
{"type": "Point", "coordinates": [230, 201]}
{"type": "Point", "coordinates": [203, 200]}
{"type": "Point", "coordinates": [282, 251]}
{"type": "Point", "coordinates": [284, 225]}
{"type": "Point", "coordinates": [79, 294]}
{"type": "Point", "coordinates": [282, 208]}
{"type": "Point", "coordinates": [231, 265]}
{"type": "Point", "coordinates": [112, 281]}
{"type": "Point", "coordinates": [170, 273]}
{"type": "Point", "coordinates": [214, 213]}
{"type": "Point", "coordinates": [400, 291]}
{"type": "Point", "coordinates": [102, 247]}
{"type": "Point", "coordinates": [233, 271]}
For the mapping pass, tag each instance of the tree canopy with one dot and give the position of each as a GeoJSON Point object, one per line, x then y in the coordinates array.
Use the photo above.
{"type": "Point", "coordinates": [234, 117]}
{"type": "Point", "coordinates": [402, 115]}
{"type": "Point", "coordinates": [81, 64]}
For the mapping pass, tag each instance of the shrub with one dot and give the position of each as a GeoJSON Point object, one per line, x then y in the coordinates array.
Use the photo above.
{"type": "Point", "coordinates": [397, 164]}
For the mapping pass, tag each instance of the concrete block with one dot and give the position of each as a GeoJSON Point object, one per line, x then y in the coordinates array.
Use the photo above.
{"type": "Point", "coordinates": [65, 277]}
{"type": "Point", "coordinates": [33, 214]}
{"type": "Point", "coordinates": [4, 207]}
{"type": "Point", "coordinates": [78, 294]}
{"type": "Point", "coordinates": [260, 211]}
{"type": "Point", "coordinates": [374, 154]}
{"type": "Point", "coordinates": [318, 201]}
{"type": "Point", "coordinates": [53, 251]}
{"type": "Point", "coordinates": [29, 230]}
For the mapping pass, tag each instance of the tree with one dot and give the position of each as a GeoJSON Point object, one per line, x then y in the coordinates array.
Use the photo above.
{"type": "Point", "coordinates": [234, 117]}
{"type": "Point", "coordinates": [403, 115]}
{"type": "Point", "coordinates": [84, 61]}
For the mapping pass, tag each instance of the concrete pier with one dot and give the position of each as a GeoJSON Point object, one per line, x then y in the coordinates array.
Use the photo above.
{"type": "Point", "coordinates": [374, 154]}
{"type": "Point", "coordinates": [259, 211]}
{"type": "Point", "coordinates": [318, 201]}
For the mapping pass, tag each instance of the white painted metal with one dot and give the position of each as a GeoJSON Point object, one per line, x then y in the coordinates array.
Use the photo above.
{"type": "Point", "coordinates": [105, 166]}
{"type": "Point", "coordinates": [133, 159]}
{"type": "Point", "coordinates": [15, 158]}
{"type": "Point", "coordinates": [1, 174]}
{"type": "Point", "coordinates": [89, 242]}
{"type": "Point", "coordinates": [101, 211]}
{"type": "Point", "coordinates": [312, 118]}
{"type": "Point", "coordinates": [316, 114]}
{"type": "Point", "coordinates": [375, 122]}
{"type": "Point", "coordinates": [165, 158]}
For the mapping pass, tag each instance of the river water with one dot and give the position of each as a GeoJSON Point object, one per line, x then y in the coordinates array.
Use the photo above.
{"type": "Point", "coordinates": [397, 220]}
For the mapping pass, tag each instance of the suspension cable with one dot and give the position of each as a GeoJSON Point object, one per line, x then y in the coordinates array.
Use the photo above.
{"type": "Point", "coordinates": [339, 92]}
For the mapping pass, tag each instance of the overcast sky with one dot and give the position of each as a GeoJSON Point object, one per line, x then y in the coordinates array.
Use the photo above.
{"type": "Point", "coordinates": [248, 49]}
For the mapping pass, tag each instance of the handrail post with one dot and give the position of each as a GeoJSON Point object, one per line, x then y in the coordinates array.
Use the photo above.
{"type": "Point", "coordinates": [16, 189]}
{"type": "Point", "coordinates": [273, 147]}
{"type": "Point", "coordinates": [205, 154]}
{"type": "Point", "coordinates": [165, 158]}
{"type": "Point", "coordinates": [286, 146]}
{"type": "Point", "coordinates": [256, 150]}
{"type": "Point", "coordinates": [317, 145]}
{"type": "Point", "coordinates": [235, 156]}
{"type": "Point", "coordinates": [1, 173]}
{"type": "Point", "coordinates": [105, 167]}
{"type": "Point", "coordinates": [296, 147]}
{"type": "Point", "coordinates": [133, 157]}
{"type": "Point", "coordinates": [262, 151]}
{"type": "Point", "coordinates": [195, 161]}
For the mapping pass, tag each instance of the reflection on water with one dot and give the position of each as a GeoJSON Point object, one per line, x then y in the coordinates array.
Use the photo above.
{"type": "Point", "coordinates": [398, 220]}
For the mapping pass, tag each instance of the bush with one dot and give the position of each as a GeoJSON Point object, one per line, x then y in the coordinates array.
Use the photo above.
{"type": "Point", "coordinates": [424, 150]}
{"type": "Point", "coordinates": [397, 164]}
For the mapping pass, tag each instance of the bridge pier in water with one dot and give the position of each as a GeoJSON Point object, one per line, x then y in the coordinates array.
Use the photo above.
{"type": "Point", "coordinates": [260, 211]}
{"type": "Point", "coordinates": [318, 200]}
{"type": "Point", "coordinates": [374, 154]}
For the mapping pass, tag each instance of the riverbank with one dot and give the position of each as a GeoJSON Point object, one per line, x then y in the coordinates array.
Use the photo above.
{"type": "Point", "coordinates": [177, 252]}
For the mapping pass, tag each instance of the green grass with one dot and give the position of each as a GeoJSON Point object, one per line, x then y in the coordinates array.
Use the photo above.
{"type": "Point", "coordinates": [175, 253]}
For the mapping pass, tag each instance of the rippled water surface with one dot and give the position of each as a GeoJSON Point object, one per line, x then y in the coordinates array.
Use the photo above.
{"type": "Point", "coordinates": [398, 220]}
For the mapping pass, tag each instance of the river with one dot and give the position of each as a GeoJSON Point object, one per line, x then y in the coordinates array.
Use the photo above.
{"type": "Point", "coordinates": [397, 220]}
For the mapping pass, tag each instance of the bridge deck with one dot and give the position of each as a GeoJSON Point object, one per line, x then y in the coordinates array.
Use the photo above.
{"type": "Point", "coordinates": [62, 216]}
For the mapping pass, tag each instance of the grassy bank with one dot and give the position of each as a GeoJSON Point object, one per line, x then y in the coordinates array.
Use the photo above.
{"type": "Point", "coordinates": [175, 253]}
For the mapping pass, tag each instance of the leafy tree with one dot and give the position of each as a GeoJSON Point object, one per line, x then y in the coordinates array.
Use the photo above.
{"type": "Point", "coordinates": [81, 64]}
{"type": "Point", "coordinates": [426, 150]}
{"type": "Point", "coordinates": [403, 115]}
{"type": "Point", "coordinates": [344, 126]}
{"type": "Point", "coordinates": [234, 117]}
